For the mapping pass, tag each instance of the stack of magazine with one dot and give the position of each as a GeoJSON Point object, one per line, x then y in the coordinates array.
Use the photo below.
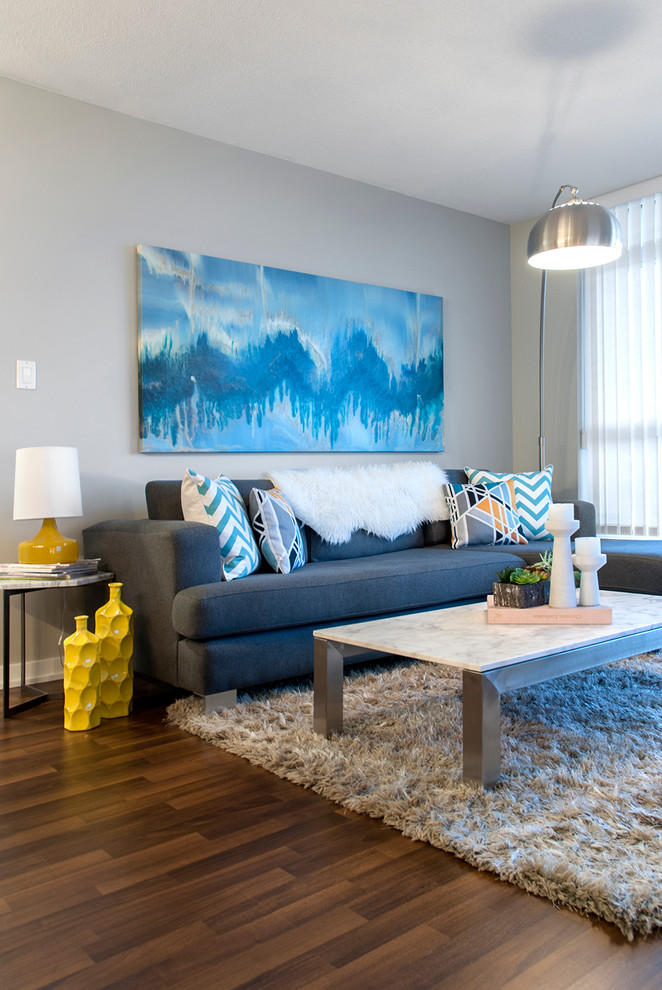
{"type": "Point", "coordinates": [48, 572]}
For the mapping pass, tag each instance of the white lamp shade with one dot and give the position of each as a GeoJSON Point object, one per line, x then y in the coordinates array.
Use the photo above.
{"type": "Point", "coordinates": [47, 483]}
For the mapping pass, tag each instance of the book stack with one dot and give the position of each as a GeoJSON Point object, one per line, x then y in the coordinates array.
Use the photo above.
{"type": "Point", "coordinates": [46, 572]}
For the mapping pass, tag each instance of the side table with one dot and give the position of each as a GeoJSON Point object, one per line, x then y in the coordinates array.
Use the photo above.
{"type": "Point", "coordinates": [21, 586]}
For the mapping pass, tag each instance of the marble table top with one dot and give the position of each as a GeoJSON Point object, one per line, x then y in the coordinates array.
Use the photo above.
{"type": "Point", "coordinates": [461, 636]}
{"type": "Point", "coordinates": [41, 583]}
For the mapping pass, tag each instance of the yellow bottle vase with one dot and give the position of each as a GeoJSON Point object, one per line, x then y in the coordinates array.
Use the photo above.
{"type": "Point", "coordinates": [114, 627]}
{"type": "Point", "coordinates": [82, 674]}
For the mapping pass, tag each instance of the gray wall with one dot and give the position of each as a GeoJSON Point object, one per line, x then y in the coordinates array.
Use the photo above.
{"type": "Point", "coordinates": [81, 187]}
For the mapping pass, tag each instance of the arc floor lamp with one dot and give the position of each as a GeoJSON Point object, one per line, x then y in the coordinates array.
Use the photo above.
{"type": "Point", "coordinates": [574, 235]}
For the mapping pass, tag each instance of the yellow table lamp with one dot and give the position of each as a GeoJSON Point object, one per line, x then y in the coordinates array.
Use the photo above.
{"type": "Point", "coordinates": [46, 485]}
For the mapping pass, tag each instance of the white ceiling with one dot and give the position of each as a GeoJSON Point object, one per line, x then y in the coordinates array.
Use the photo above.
{"type": "Point", "coordinates": [486, 106]}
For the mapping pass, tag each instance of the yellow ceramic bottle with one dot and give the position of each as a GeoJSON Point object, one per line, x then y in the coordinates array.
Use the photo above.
{"type": "Point", "coordinates": [114, 627]}
{"type": "Point", "coordinates": [81, 678]}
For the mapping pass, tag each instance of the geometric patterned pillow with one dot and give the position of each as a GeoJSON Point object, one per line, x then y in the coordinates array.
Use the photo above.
{"type": "Point", "coordinates": [279, 537]}
{"type": "Point", "coordinates": [533, 496]}
{"type": "Point", "coordinates": [482, 514]}
{"type": "Point", "coordinates": [219, 504]}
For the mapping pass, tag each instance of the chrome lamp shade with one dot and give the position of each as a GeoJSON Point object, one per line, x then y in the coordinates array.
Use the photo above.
{"type": "Point", "coordinates": [574, 235]}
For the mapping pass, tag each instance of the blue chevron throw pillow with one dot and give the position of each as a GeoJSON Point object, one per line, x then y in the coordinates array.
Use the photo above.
{"type": "Point", "coordinates": [533, 496]}
{"type": "Point", "coordinates": [219, 504]}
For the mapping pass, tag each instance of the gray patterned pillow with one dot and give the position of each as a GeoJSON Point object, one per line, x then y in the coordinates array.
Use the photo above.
{"type": "Point", "coordinates": [483, 514]}
{"type": "Point", "coordinates": [279, 536]}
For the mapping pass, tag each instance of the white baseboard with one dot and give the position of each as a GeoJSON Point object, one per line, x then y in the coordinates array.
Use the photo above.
{"type": "Point", "coordinates": [36, 671]}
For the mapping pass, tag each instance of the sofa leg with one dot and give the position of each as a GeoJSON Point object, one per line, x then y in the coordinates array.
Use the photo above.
{"type": "Point", "coordinates": [224, 699]}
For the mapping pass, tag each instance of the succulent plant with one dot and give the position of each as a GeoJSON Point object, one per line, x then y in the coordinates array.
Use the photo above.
{"type": "Point", "coordinates": [544, 565]}
{"type": "Point", "coordinates": [540, 571]}
{"type": "Point", "coordinates": [525, 575]}
{"type": "Point", "coordinates": [504, 575]}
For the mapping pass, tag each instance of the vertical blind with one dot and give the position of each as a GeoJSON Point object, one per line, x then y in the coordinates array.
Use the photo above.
{"type": "Point", "coordinates": [622, 378]}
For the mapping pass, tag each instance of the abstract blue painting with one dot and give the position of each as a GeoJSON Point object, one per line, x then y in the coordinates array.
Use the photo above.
{"type": "Point", "coordinates": [241, 357]}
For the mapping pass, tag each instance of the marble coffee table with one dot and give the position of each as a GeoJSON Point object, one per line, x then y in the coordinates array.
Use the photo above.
{"type": "Point", "coordinates": [493, 659]}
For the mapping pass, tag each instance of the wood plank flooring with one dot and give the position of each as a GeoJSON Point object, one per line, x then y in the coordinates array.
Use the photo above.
{"type": "Point", "coordinates": [135, 855]}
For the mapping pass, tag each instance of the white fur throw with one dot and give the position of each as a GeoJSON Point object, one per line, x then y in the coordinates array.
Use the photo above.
{"type": "Point", "coordinates": [384, 499]}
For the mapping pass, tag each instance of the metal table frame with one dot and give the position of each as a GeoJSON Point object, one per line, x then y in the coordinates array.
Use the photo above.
{"type": "Point", "coordinates": [481, 691]}
{"type": "Point", "coordinates": [22, 588]}
{"type": "Point", "coordinates": [37, 695]}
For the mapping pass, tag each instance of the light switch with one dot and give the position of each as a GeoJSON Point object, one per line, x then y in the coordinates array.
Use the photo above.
{"type": "Point", "coordinates": [26, 374]}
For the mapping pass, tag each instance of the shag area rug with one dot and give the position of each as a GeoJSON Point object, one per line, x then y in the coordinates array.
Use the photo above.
{"type": "Point", "coordinates": [576, 818]}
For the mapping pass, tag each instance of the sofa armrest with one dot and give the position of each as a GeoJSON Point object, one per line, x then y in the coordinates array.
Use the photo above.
{"type": "Point", "coordinates": [585, 513]}
{"type": "Point", "coordinates": [155, 559]}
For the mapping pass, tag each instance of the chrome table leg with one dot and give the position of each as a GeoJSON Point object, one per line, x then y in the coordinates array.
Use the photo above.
{"type": "Point", "coordinates": [481, 729]}
{"type": "Point", "coordinates": [328, 678]}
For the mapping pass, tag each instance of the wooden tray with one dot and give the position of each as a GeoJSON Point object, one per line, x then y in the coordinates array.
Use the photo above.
{"type": "Point", "coordinates": [544, 615]}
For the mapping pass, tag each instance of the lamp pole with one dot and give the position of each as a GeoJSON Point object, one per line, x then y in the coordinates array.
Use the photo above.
{"type": "Point", "coordinates": [541, 374]}
{"type": "Point", "coordinates": [541, 357]}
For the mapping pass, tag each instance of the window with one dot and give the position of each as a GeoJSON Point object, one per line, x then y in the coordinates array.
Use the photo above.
{"type": "Point", "coordinates": [621, 460]}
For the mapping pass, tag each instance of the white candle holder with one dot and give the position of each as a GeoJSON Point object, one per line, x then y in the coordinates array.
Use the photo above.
{"type": "Point", "coordinates": [588, 559]}
{"type": "Point", "coordinates": [561, 523]}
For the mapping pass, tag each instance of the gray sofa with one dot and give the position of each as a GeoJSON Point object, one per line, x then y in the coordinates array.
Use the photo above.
{"type": "Point", "coordinates": [212, 637]}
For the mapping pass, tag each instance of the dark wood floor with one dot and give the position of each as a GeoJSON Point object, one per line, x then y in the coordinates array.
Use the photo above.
{"type": "Point", "coordinates": [135, 855]}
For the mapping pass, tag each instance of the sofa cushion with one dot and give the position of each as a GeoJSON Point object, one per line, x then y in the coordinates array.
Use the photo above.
{"type": "Point", "coordinates": [529, 552]}
{"type": "Point", "coordinates": [336, 590]}
{"type": "Point", "coordinates": [361, 544]}
{"type": "Point", "coordinates": [483, 514]}
{"type": "Point", "coordinates": [437, 532]}
{"type": "Point", "coordinates": [279, 536]}
{"type": "Point", "coordinates": [218, 503]}
{"type": "Point", "coordinates": [533, 496]}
